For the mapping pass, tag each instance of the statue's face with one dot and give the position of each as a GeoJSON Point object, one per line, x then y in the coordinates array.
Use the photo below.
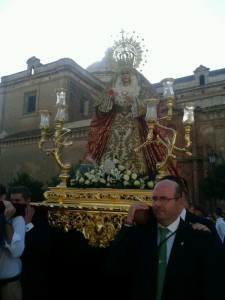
{"type": "Point", "coordinates": [126, 75]}
{"type": "Point", "coordinates": [125, 72]}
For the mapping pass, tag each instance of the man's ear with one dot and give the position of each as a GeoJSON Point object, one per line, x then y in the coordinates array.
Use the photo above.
{"type": "Point", "coordinates": [180, 201]}
{"type": "Point", "coordinates": [27, 201]}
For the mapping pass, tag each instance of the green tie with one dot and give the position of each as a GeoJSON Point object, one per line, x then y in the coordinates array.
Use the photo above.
{"type": "Point", "coordinates": [162, 262]}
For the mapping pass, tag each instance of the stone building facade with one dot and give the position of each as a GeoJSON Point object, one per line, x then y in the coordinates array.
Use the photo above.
{"type": "Point", "coordinates": [24, 94]}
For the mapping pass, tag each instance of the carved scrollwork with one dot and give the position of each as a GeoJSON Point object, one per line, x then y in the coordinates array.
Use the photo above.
{"type": "Point", "coordinates": [97, 213]}
{"type": "Point", "coordinates": [99, 228]}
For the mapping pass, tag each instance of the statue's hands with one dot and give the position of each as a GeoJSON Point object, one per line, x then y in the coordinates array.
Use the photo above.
{"type": "Point", "coordinates": [112, 93]}
{"type": "Point", "coordinates": [129, 98]}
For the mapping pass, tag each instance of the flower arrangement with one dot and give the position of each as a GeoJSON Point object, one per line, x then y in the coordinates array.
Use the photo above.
{"type": "Point", "coordinates": [111, 174]}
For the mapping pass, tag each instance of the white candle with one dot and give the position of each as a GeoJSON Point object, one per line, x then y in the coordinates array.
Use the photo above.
{"type": "Point", "coordinates": [61, 114]}
{"type": "Point", "coordinates": [61, 98]}
{"type": "Point", "coordinates": [45, 119]}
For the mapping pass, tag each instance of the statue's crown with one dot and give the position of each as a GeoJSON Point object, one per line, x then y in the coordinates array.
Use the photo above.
{"type": "Point", "coordinates": [125, 59]}
{"type": "Point", "coordinates": [127, 52]}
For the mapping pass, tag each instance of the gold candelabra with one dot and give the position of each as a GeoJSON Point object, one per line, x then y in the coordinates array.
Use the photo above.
{"type": "Point", "coordinates": [59, 138]}
{"type": "Point", "coordinates": [168, 142]}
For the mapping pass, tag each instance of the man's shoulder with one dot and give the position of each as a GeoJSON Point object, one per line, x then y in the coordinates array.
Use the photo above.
{"type": "Point", "coordinates": [191, 233]}
{"type": "Point", "coordinates": [192, 218]}
{"type": "Point", "coordinates": [18, 219]}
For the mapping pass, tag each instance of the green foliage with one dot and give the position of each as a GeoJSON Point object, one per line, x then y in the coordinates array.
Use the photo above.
{"type": "Point", "coordinates": [54, 181]}
{"type": "Point", "coordinates": [35, 187]}
{"type": "Point", "coordinates": [213, 186]}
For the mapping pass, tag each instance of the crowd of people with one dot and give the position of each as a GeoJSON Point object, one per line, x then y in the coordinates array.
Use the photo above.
{"type": "Point", "coordinates": [195, 258]}
{"type": "Point", "coordinates": [25, 244]}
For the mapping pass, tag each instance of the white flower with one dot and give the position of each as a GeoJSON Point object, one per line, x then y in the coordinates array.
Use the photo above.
{"type": "Point", "coordinates": [108, 166]}
{"type": "Point", "coordinates": [116, 161]}
{"type": "Point", "coordinates": [134, 176]}
{"type": "Point", "coordinates": [111, 173]}
{"type": "Point", "coordinates": [102, 180]}
{"type": "Point", "coordinates": [121, 167]}
{"type": "Point", "coordinates": [101, 167]}
{"type": "Point", "coordinates": [150, 184]}
{"type": "Point", "coordinates": [128, 172]}
{"type": "Point", "coordinates": [125, 183]}
{"type": "Point", "coordinates": [117, 174]}
{"type": "Point", "coordinates": [137, 183]}
{"type": "Point", "coordinates": [126, 177]}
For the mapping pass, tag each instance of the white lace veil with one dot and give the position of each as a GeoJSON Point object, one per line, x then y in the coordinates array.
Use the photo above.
{"type": "Point", "coordinates": [134, 84]}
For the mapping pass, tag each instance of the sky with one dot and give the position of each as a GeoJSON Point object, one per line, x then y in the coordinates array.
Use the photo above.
{"type": "Point", "coordinates": [179, 35]}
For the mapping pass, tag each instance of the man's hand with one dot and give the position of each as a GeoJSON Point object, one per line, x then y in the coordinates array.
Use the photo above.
{"type": "Point", "coordinates": [137, 205]}
{"type": "Point", "coordinates": [9, 211]}
{"type": "Point", "coordinates": [199, 226]}
{"type": "Point", "coordinates": [29, 212]}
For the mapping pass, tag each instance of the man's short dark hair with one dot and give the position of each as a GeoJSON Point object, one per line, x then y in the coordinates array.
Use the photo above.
{"type": "Point", "coordinates": [21, 190]}
{"type": "Point", "coordinates": [181, 182]}
{"type": "Point", "coordinates": [200, 208]}
{"type": "Point", "coordinates": [2, 190]}
{"type": "Point", "coordinates": [219, 212]}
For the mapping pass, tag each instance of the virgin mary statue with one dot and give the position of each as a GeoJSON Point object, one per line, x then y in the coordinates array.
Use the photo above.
{"type": "Point", "coordinates": [119, 126]}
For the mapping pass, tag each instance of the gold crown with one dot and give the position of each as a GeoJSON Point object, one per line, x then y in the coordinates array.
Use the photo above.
{"type": "Point", "coordinates": [127, 52]}
{"type": "Point", "coordinates": [125, 59]}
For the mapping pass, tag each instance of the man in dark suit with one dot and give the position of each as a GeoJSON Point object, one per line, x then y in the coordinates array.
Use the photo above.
{"type": "Point", "coordinates": [198, 222]}
{"type": "Point", "coordinates": [195, 267]}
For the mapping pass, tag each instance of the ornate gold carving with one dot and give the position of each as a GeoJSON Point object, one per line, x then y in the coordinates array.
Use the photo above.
{"type": "Point", "coordinates": [97, 213]}
{"type": "Point", "coordinates": [98, 227]}
{"type": "Point", "coordinates": [91, 197]}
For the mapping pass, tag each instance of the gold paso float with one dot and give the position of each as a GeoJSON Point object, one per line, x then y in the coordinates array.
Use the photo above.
{"type": "Point", "coordinates": [98, 213]}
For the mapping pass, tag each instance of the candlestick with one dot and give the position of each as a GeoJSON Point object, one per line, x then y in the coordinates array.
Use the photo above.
{"type": "Point", "coordinates": [59, 138]}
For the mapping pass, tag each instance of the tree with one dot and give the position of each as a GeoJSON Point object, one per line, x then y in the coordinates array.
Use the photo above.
{"type": "Point", "coordinates": [35, 186]}
{"type": "Point", "coordinates": [213, 186]}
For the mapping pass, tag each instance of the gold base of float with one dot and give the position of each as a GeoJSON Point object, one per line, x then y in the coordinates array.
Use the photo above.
{"type": "Point", "coordinates": [97, 213]}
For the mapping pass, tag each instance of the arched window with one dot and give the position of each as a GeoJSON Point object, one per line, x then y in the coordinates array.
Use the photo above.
{"type": "Point", "coordinates": [202, 80]}
{"type": "Point", "coordinates": [32, 71]}
{"type": "Point", "coordinates": [81, 105]}
{"type": "Point", "coordinates": [30, 100]}
{"type": "Point", "coordinates": [84, 106]}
